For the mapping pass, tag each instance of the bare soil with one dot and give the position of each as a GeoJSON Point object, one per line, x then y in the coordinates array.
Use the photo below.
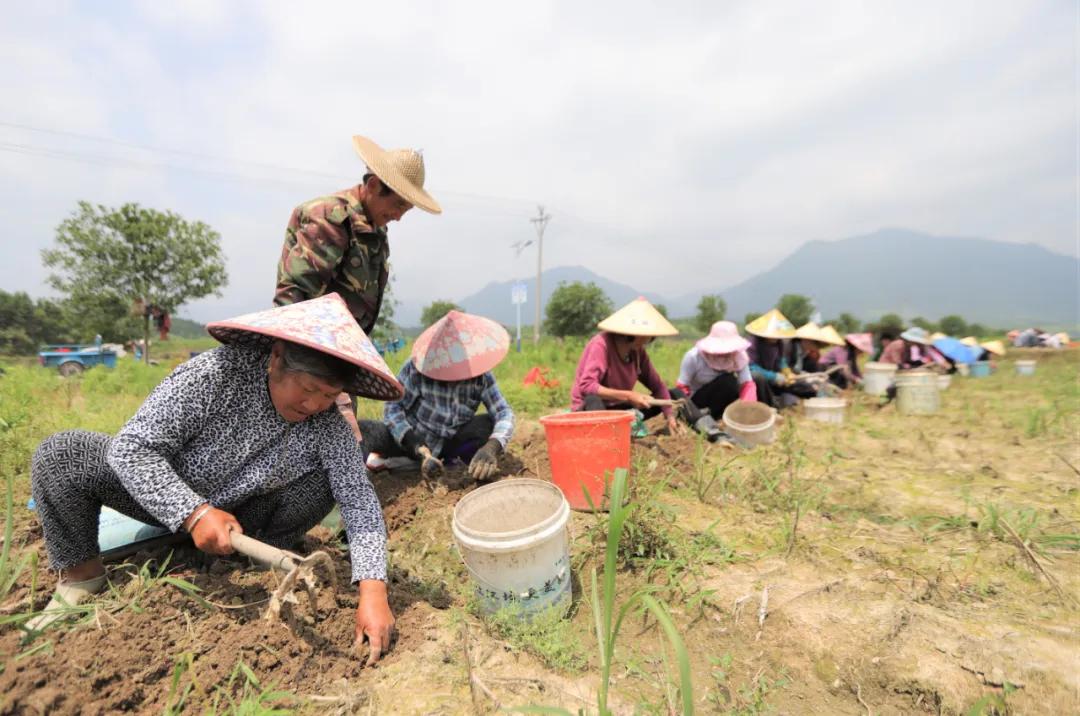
{"type": "Point", "coordinates": [876, 606]}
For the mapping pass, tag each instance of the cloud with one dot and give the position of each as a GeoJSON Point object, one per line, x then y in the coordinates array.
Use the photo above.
{"type": "Point", "coordinates": [678, 147]}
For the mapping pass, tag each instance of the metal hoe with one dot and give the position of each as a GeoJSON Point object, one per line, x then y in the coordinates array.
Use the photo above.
{"type": "Point", "coordinates": [297, 568]}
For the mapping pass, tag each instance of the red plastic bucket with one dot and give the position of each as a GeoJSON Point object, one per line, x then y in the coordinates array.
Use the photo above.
{"type": "Point", "coordinates": [585, 448]}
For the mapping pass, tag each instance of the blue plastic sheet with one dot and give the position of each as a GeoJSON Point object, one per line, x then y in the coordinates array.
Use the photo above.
{"type": "Point", "coordinates": [956, 351]}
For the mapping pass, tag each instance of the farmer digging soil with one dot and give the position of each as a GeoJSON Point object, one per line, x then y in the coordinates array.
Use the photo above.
{"type": "Point", "coordinates": [243, 438]}
{"type": "Point", "coordinates": [338, 243]}
{"type": "Point", "coordinates": [446, 380]}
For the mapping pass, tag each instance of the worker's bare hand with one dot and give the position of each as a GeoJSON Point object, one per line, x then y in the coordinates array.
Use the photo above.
{"type": "Point", "coordinates": [638, 400]}
{"type": "Point", "coordinates": [211, 532]}
{"type": "Point", "coordinates": [374, 620]}
{"type": "Point", "coordinates": [674, 426]}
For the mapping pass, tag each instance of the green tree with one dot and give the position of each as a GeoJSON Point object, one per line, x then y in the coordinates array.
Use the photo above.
{"type": "Point", "coordinates": [925, 324]}
{"type": "Point", "coordinates": [26, 324]}
{"type": "Point", "coordinates": [846, 323]}
{"type": "Point", "coordinates": [796, 307]}
{"type": "Point", "coordinates": [710, 309]}
{"type": "Point", "coordinates": [662, 309]}
{"type": "Point", "coordinates": [109, 258]}
{"type": "Point", "coordinates": [890, 322]}
{"type": "Point", "coordinates": [953, 325]}
{"type": "Point", "coordinates": [436, 310]}
{"type": "Point", "coordinates": [575, 308]}
{"type": "Point", "coordinates": [751, 317]}
{"type": "Point", "coordinates": [978, 330]}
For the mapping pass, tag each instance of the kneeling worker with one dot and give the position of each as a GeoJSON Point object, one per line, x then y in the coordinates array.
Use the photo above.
{"type": "Point", "coordinates": [446, 380]}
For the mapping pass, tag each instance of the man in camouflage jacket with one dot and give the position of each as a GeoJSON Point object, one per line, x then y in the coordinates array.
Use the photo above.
{"type": "Point", "coordinates": [338, 244]}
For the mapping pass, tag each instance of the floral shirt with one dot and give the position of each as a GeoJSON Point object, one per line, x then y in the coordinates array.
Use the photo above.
{"type": "Point", "coordinates": [210, 433]}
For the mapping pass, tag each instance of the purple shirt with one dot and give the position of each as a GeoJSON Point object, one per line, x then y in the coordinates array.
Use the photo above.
{"type": "Point", "coordinates": [600, 366]}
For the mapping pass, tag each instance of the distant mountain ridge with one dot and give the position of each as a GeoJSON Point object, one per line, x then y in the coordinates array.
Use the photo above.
{"type": "Point", "coordinates": [493, 300]}
{"type": "Point", "coordinates": [888, 271]}
{"type": "Point", "coordinates": [916, 274]}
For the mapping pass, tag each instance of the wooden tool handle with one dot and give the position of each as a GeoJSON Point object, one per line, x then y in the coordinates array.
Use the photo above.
{"type": "Point", "coordinates": [262, 552]}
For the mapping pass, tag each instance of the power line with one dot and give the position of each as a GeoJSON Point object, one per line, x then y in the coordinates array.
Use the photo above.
{"type": "Point", "coordinates": [209, 157]}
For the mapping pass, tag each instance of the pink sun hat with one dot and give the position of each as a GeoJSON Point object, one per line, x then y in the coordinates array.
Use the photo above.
{"type": "Point", "coordinates": [460, 346]}
{"type": "Point", "coordinates": [862, 341]}
{"type": "Point", "coordinates": [723, 338]}
{"type": "Point", "coordinates": [323, 324]}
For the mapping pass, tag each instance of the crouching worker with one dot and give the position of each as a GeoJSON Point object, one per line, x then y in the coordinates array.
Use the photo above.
{"type": "Point", "coordinates": [615, 360]}
{"type": "Point", "coordinates": [446, 380]}
{"type": "Point", "coordinates": [242, 438]}
{"type": "Point", "coordinates": [713, 375]}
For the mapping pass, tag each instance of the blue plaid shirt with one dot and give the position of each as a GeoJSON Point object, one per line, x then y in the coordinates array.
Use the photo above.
{"type": "Point", "coordinates": [438, 409]}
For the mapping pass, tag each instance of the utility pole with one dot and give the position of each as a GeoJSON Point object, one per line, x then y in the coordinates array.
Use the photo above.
{"type": "Point", "coordinates": [540, 221]}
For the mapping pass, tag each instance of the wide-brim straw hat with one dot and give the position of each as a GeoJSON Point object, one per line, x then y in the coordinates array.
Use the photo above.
{"type": "Point", "coordinates": [723, 338]}
{"type": "Point", "coordinates": [832, 336]}
{"type": "Point", "coordinates": [771, 325]}
{"type": "Point", "coordinates": [916, 335]}
{"type": "Point", "coordinates": [970, 341]}
{"type": "Point", "coordinates": [400, 169]}
{"type": "Point", "coordinates": [638, 318]}
{"type": "Point", "coordinates": [323, 324]}
{"type": "Point", "coordinates": [995, 347]}
{"type": "Point", "coordinates": [460, 346]}
{"type": "Point", "coordinates": [809, 331]}
{"type": "Point", "coordinates": [863, 342]}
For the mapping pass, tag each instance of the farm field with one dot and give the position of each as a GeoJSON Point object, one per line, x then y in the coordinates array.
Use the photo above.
{"type": "Point", "coordinates": [890, 565]}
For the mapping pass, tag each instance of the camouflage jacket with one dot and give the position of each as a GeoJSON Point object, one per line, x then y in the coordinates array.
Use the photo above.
{"type": "Point", "coordinates": [331, 248]}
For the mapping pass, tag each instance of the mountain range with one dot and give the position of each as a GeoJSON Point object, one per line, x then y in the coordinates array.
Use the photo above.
{"type": "Point", "coordinates": [889, 271]}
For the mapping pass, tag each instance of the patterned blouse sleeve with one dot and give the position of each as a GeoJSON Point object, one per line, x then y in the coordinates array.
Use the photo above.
{"type": "Point", "coordinates": [174, 412]}
{"type": "Point", "coordinates": [361, 513]}
{"type": "Point", "coordinates": [499, 409]}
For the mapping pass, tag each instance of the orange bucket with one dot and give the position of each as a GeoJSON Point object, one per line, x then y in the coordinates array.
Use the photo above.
{"type": "Point", "coordinates": [585, 448]}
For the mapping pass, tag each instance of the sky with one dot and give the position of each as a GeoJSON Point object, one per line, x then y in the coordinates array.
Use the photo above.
{"type": "Point", "coordinates": [679, 147]}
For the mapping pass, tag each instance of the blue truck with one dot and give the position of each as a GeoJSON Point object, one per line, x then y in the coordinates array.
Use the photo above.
{"type": "Point", "coordinates": [71, 359]}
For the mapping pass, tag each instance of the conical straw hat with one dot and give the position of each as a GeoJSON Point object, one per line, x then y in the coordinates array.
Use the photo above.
{"type": "Point", "coordinates": [771, 325]}
{"type": "Point", "coordinates": [324, 324]}
{"type": "Point", "coordinates": [970, 341]}
{"type": "Point", "coordinates": [638, 318]}
{"type": "Point", "coordinates": [400, 169]}
{"type": "Point", "coordinates": [810, 331]}
{"type": "Point", "coordinates": [995, 347]}
{"type": "Point", "coordinates": [831, 336]}
{"type": "Point", "coordinates": [862, 341]}
{"type": "Point", "coordinates": [460, 346]}
{"type": "Point", "coordinates": [937, 336]}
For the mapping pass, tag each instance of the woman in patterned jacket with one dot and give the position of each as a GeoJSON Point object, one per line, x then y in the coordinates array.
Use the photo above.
{"type": "Point", "coordinates": [204, 456]}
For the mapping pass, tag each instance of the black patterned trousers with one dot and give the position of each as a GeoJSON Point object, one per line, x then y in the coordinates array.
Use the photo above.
{"type": "Point", "coordinates": [71, 481]}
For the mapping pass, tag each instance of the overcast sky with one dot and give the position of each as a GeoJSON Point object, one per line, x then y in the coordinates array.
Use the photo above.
{"type": "Point", "coordinates": [678, 146]}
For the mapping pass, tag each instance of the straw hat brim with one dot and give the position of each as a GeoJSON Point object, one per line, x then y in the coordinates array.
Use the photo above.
{"type": "Point", "coordinates": [638, 318]}
{"type": "Point", "coordinates": [377, 160]}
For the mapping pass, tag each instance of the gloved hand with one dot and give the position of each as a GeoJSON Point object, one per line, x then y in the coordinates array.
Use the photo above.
{"type": "Point", "coordinates": [431, 465]}
{"type": "Point", "coordinates": [410, 443]}
{"type": "Point", "coordinates": [485, 462]}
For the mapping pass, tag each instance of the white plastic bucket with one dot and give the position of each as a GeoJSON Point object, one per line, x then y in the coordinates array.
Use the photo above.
{"type": "Point", "coordinates": [1025, 367]}
{"type": "Point", "coordinates": [917, 393]}
{"type": "Point", "coordinates": [963, 369]}
{"type": "Point", "coordinates": [751, 422]}
{"type": "Point", "coordinates": [512, 537]}
{"type": "Point", "coordinates": [944, 381]}
{"type": "Point", "coordinates": [826, 410]}
{"type": "Point", "coordinates": [877, 377]}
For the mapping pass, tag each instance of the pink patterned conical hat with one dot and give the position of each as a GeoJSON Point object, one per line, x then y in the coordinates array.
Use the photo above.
{"type": "Point", "coordinates": [460, 346]}
{"type": "Point", "coordinates": [324, 324]}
